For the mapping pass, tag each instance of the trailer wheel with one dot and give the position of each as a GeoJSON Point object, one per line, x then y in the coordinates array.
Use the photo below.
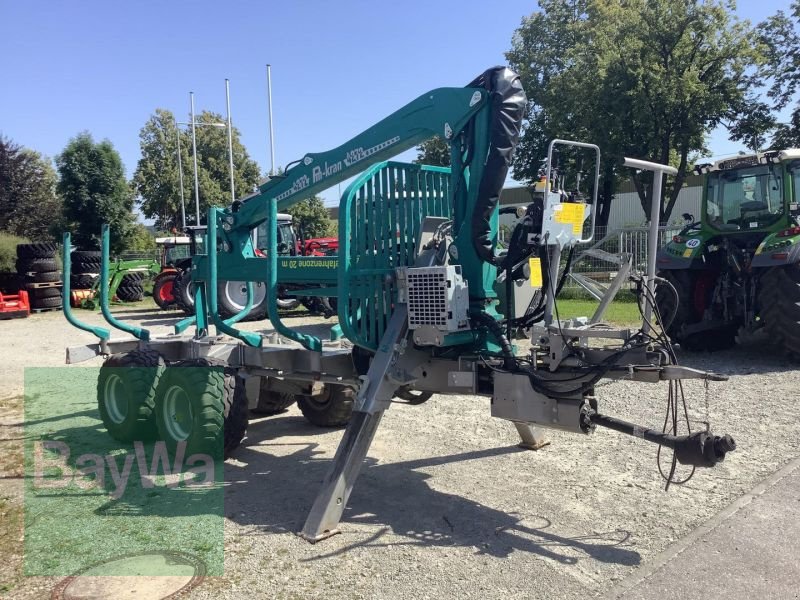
{"type": "Point", "coordinates": [203, 405]}
{"type": "Point", "coordinates": [126, 390]}
{"type": "Point", "coordinates": [332, 408]}
{"type": "Point", "coordinates": [163, 290]}
{"type": "Point", "coordinates": [271, 402]}
{"type": "Point", "coordinates": [779, 302]}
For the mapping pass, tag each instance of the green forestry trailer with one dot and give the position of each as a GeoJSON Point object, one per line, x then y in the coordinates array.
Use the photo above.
{"type": "Point", "coordinates": [736, 270]}
{"type": "Point", "coordinates": [416, 281]}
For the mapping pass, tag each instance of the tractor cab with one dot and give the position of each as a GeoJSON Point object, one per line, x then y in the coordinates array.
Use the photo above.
{"type": "Point", "coordinates": [173, 250]}
{"type": "Point", "coordinates": [745, 195]}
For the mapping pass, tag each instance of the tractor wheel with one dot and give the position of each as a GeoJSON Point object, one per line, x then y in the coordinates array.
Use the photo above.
{"type": "Point", "coordinates": [674, 303]}
{"type": "Point", "coordinates": [126, 390]}
{"type": "Point", "coordinates": [80, 267]}
{"type": "Point", "coordinates": [271, 402]}
{"type": "Point", "coordinates": [50, 302]}
{"type": "Point", "coordinates": [779, 302]}
{"type": "Point", "coordinates": [183, 290]}
{"type": "Point", "coordinates": [92, 256]}
{"type": "Point", "coordinates": [36, 265]}
{"type": "Point", "coordinates": [45, 277]}
{"type": "Point", "coordinates": [130, 293]}
{"type": "Point", "coordinates": [163, 292]}
{"type": "Point", "coordinates": [232, 298]}
{"type": "Point", "coordinates": [36, 250]}
{"type": "Point", "coordinates": [693, 295]}
{"type": "Point", "coordinates": [331, 409]}
{"type": "Point", "coordinates": [203, 405]}
{"type": "Point", "coordinates": [41, 293]}
{"type": "Point", "coordinates": [132, 279]}
{"type": "Point", "coordinates": [82, 282]}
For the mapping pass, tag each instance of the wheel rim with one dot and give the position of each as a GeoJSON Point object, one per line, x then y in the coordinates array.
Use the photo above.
{"type": "Point", "coordinates": [177, 413]}
{"type": "Point", "coordinates": [115, 399]}
{"type": "Point", "coordinates": [236, 293]}
{"type": "Point", "coordinates": [165, 292]}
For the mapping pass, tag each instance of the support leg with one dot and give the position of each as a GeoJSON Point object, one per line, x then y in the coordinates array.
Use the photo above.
{"type": "Point", "coordinates": [323, 520]}
{"type": "Point", "coordinates": [374, 398]}
{"type": "Point", "coordinates": [532, 437]}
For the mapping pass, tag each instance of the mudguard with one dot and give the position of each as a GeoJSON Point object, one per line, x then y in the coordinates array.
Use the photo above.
{"type": "Point", "coordinates": [685, 251]}
{"type": "Point", "coordinates": [776, 250]}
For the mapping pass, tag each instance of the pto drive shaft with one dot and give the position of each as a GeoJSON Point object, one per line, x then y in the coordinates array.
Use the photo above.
{"type": "Point", "coordinates": [698, 449]}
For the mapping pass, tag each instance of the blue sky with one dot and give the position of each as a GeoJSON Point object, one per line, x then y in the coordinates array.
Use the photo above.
{"type": "Point", "coordinates": [337, 67]}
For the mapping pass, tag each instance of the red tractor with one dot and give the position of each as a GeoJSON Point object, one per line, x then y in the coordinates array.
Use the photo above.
{"type": "Point", "coordinates": [175, 257]}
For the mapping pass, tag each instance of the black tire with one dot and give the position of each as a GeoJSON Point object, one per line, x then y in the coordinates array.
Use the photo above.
{"type": "Point", "coordinates": [331, 409]}
{"type": "Point", "coordinates": [132, 293]}
{"type": "Point", "coordinates": [183, 289]}
{"type": "Point", "coordinates": [55, 302]}
{"type": "Point", "coordinates": [271, 402]}
{"type": "Point", "coordinates": [231, 298]}
{"type": "Point", "coordinates": [36, 265]}
{"type": "Point", "coordinates": [687, 313]}
{"type": "Point", "coordinates": [203, 405]}
{"type": "Point", "coordinates": [36, 250]}
{"type": "Point", "coordinates": [779, 306]}
{"type": "Point", "coordinates": [82, 282]}
{"type": "Point", "coordinates": [131, 279]}
{"type": "Point", "coordinates": [42, 293]}
{"type": "Point", "coordinates": [126, 391]}
{"type": "Point", "coordinates": [48, 277]}
{"type": "Point", "coordinates": [91, 256]}
{"type": "Point", "coordinates": [164, 290]}
{"type": "Point", "coordinates": [236, 413]}
{"type": "Point", "coordinates": [86, 266]}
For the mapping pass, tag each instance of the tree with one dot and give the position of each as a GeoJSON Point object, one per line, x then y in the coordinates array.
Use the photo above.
{"type": "Point", "coordinates": [93, 186]}
{"type": "Point", "coordinates": [434, 151]}
{"type": "Point", "coordinates": [311, 217]}
{"type": "Point", "coordinates": [780, 37]}
{"type": "Point", "coordinates": [643, 78]}
{"type": "Point", "coordinates": [140, 239]}
{"type": "Point", "coordinates": [29, 205]}
{"type": "Point", "coordinates": [156, 178]}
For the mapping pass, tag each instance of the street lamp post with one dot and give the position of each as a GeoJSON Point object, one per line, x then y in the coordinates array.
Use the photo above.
{"type": "Point", "coordinates": [195, 124]}
{"type": "Point", "coordinates": [230, 136]}
{"type": "Point", "coordinates": [180, 178]}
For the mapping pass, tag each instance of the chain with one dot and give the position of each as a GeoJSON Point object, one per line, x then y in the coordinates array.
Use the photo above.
{"type": "Point", "coordinates": [708, 410]}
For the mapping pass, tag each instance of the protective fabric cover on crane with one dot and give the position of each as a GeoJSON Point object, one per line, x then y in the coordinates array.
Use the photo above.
{"type": "Point", "coordinates": [508, 103]}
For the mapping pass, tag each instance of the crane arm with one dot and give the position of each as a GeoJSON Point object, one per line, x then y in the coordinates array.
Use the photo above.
{"type": "Point", "coordinates": [443, 111]}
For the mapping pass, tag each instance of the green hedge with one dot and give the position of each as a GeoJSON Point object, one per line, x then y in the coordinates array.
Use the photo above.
{"type": "Point", "coordinates": [8, 251]}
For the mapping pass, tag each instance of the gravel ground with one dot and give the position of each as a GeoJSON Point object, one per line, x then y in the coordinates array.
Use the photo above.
{"type": "Point", "coordinates": [447, 505]}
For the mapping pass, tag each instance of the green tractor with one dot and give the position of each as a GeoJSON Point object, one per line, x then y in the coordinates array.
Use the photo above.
{"type": "Point", "coordinates": [737, 269]}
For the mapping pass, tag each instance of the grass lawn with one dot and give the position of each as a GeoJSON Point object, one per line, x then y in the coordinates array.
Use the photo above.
{"type": "Point", "coordinates": [618, 313]}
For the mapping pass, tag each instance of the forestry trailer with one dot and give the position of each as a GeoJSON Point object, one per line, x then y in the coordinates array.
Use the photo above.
{"type": "Point", "coordinates": [426, 304]}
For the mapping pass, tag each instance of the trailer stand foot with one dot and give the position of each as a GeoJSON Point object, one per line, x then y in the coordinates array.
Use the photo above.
{"type": "Point", "coordinates": [323, 520]}
{"type": "Point", "coordinates": [532, 438]}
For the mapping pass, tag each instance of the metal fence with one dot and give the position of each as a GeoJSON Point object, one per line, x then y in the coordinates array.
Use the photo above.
{"type": "Point", "coordinates": [629, 240]}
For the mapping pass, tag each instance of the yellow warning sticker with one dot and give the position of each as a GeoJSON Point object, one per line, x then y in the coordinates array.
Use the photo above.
{"type": "Point", "coordinates": [571, 213]}
{"type": "Point", "coordinates": [687, 253]}
{"type": "Point", "coordinates": [535, 265]}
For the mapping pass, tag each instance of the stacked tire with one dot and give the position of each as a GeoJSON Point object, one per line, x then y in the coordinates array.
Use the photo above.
{"type": "Point", "coordinates": [130, 288]}
{"type": "Point", "coordinates": [39, 274]}
{"type": "Point", "coordinates": [85, 269]}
